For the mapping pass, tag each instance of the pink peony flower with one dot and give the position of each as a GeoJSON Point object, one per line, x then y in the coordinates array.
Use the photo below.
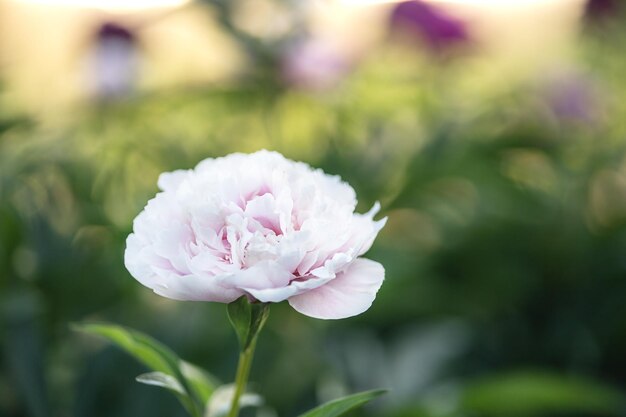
{"type": "Point", "coordinates": [257, 225]}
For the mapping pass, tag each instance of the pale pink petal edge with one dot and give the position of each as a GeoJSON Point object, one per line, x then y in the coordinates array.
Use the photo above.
{"type": "Point", "coordinates": [351, 293]}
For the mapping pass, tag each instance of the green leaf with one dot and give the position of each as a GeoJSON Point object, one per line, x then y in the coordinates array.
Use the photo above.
{"type": "Point", "coordinates": [239, 317]}
{"type": "Point", "coordinates": [247, 320]}
{"type": "Point", "coordinates": [146, 350]}
{"type": "Point", "coordinates": [196, 385]}
{"type": "Point", "coordinates": [221, 401]}
{"type": "Point", "coordinates": [200, 381]}
{"type": "Point", "coordinates": [342, 405]}
{"type": "Point", "coordinates": [527, 393]}
{"type": "Point", "coordinates": [159, 379]}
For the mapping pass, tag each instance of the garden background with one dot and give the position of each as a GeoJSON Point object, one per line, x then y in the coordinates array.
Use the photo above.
{"type": "Point", "coordinates": [493, 134]}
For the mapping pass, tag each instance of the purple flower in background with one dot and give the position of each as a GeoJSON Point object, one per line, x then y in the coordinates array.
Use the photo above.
{"type": "Point", "coordinates": [437, 29]}
{"type": "Point", "coordinates": [110, 30]}
{"type": "Point", "coordinates": [314, 64]}
{"type": "Point", "coordinates": [114, 61]}
{"type": "Point", "coordinates": [600, 9]}
{"type": "Point", "coordinates": [573, 98]}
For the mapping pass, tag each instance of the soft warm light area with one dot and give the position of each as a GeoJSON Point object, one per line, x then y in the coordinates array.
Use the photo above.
{"type": "Point", "coordinates": [112, 5]}
{"type": "Point", "coordinates": [484, 3]}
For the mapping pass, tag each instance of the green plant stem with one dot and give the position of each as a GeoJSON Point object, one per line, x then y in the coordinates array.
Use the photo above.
{"type": "Point", "coordinates": [241, 379]}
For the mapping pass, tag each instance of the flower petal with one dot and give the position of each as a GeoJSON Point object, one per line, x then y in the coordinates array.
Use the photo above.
{"type": "Point", "coordinates": [349, 294]}
{"type": "Point", "coordinates": [195, 288]}
{"type": "Point", "coordinates": [332, 266]}
{"type": "Point", "coordinates": [169, 181]}
{"type": "Point", "coordinates": [263, 275]}
{"type": "Point", "coordinates": [276, 295]}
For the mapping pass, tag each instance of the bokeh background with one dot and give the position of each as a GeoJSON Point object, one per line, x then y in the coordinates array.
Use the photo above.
{"type": "Point", "coordinates": [492, 132]}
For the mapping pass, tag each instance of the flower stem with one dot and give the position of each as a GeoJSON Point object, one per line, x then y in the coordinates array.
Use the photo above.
{"type": "Point", "coordinates": [241, 379]}
{"type": "Point", "coordinates": [247, 319]}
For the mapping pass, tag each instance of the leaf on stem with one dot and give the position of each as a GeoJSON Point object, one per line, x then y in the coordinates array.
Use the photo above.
{"type": "Point", "coordinates": [200, 381]}
{"type": "Point", "coordinates": [247, 320]}
{"type": "Point", "coordinates": [222, 400]}
{"type": "Point", "coordinates": [192, 385]}
{"type": "Point", "coordinates": [342, 405]}
{"type": "Point", "coordinates": [145, 349]}
{"type": "Point", "coordinates": [159, 379]}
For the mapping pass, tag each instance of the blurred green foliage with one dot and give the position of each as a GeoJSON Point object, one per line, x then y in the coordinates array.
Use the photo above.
{"type": "Point", "coordinates": [505, 247]}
